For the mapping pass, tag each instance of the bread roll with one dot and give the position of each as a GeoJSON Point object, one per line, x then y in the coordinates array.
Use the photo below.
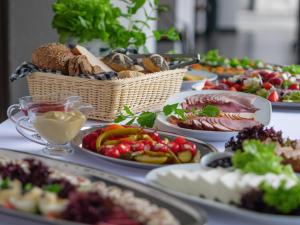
{"type": "Point", "coordinates": [155, 63]}
{"type": "Point", "coordinates": [118, 61]}
{"type": "Point", "coordinates": [93, 60]}
{"type": "Point", "coordinates": [129, 74]}
{"type": "Point", "coordinates": [137, 68]}
{"type": "Point", "coordinates": [52, 56]}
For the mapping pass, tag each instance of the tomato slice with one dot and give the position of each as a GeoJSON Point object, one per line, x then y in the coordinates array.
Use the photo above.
{"type": "Point", "coordinates": [273, 97]}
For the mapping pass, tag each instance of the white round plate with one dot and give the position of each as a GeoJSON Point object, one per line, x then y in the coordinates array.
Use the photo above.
{"type": "Point", "coordinates": [198, 84]}
{"type": "Point", "coordinates": [192, 85]}
{"type": "Point", "coordinates": [273, 219]}
{"type": "Point", "coordinates": [208, 75]}
{"type": "Point", "coordinates": [263, 115]}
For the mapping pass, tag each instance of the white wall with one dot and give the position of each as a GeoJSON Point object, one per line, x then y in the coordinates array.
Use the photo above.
{"type": "Point", "coordinates": [29, 27]}
{"type": "Point", "coordinates": [228, 14]}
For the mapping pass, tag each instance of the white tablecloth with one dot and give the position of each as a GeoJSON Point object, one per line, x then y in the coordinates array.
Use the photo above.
{"type": "Point", "coordinates": [287, 121]}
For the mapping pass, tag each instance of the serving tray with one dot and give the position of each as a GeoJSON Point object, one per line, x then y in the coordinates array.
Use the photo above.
{"type": "Point", "coordinates": [239, 213]}
{"type": "Point", "coordinates": [76, 143]}
{"type": "Point", "coordinates": [184, 213]}
{"type": "Point", "coordinates": [286, 105]}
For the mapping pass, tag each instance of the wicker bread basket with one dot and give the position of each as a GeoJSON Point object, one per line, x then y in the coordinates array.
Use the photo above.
{"type": "Point", "coordinates": [109, 97]}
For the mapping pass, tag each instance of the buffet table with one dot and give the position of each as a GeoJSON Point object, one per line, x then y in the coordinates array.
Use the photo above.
{"type": "Point", "coordinates": [287, 121]}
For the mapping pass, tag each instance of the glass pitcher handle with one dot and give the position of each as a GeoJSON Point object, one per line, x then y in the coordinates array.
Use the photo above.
{"type": "Point", "coordinates": [11, 111]}
{"type": "Point", "coordinates": [34, 137]}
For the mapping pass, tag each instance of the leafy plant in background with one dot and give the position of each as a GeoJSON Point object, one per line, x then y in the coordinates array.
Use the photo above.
{"type": "Point", "coordinates": [99, 19]}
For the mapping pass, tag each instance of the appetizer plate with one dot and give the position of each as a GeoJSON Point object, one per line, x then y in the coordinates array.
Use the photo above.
{"type": "Point", "coordinates": [192, 85]}
{"type": "Point", "coordinates": [207, 75]}
{"type": "Point", "coordinates": [263, 116]}
{"type": "Point", "coordinates": [203, 147]}
{"type": "Point", "coordinates": [197, 84]}
{"type": "Point", "coordinates": [184, 213]}
{"type": "Point", "coordinates": [151, 178]}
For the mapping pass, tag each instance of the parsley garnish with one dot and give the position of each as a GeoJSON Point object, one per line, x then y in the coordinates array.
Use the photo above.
{"type": "Point", "coordinates": [147, 119]}
{"type": "Point", "coordinates": [209, 111]}
{"type": "Point", "coordinates": [28, 187]}
{"type": "Point", "coordinates": [55, 188]}
{"type": "Point", "coordinates": [5, 183]}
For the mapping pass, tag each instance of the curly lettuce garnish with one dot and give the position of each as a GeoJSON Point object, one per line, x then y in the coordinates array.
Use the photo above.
{"type": "Point", "coordinates": [260, 158]}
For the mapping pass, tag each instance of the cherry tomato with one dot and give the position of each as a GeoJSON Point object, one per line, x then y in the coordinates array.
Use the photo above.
{"type": "Point", "coordinates": [223, 81]}
{"type": "Point", "coordinates": [165, 141]}
{"type": "Point", "coordinates": [92, 145]}
{"type": "Point", "coordinates": [229, 83]}
{"type": "Point", "coordinates": [232, 89]}
{"type": "Point", "coordinates": [180, 140]}
{"type": "Point", "coordinates": [112, 152]}
{"type": "Point", "coordinates": [148, 145]}
{"type": "Point", "coordinates": [174, 147]}
{"type": "Point", "coordinates": [160, 147]}
{"type": "Point", "coordinates": [123, 148]}
{"type": "Point", "coordinates": [222, 87]}
{"type": "Point", "coordinates": [86, 141]}
{"type": "Point", "coordinates": [276, 81]}
{"type": "Point", "coordinates": [273, 97]}
{"type": "Point", "coordinates": [267, 85]}
{"type": "Point", "coordinates": [105, 148]}
{"type": "Point", "coordinates": [99, 131]}
{"type": "Point", "coordinates": [294, 87]}
{"type": "Point", "coordinates": [209, 83]}
{"type": "Point", "coordinates": [238, 87]}
{"type": "Point", "coordinates": [209, 87]}
{"type": "Point", "coordinates": [155, 136]}
{"type": "Point", "coordinates": [137, 146]}
{"type": "Point", "coordinates": [189, 146]}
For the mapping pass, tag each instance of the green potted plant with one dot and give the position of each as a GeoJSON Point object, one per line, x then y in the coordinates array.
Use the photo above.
{"type": "Point", "coordinates": [84, 21]}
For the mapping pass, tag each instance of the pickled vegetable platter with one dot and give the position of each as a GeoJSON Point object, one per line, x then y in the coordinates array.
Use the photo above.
{"type": "Point", "coordinates": [137, 147]}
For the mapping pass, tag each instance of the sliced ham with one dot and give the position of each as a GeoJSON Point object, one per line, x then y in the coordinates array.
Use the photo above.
{"type": "Point", "coordinates": [237, 125]}
{"type": "Point", "coordinates": [228, 102]}
{"type": "Point", "coordinates": [238, 116]}
{"type": "Point", "coordinates": [216, 123]}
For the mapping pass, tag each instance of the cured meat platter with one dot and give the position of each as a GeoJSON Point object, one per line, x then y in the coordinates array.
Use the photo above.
{"type": "Point", "coordinates": [235, 112]}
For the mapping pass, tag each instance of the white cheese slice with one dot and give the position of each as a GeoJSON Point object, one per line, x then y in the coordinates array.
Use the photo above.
{"type": "Point", "coordinates": [275, 180]}
{"type": "Point", "coordinates": [227, 186]}
{"type": "Point", "coordinates": [249, 181]}
{"type": "Point", "coordinates": [191, 184]}
{"type": "Point", "coordinates": [207, 182]}
{"type": "Point", "coordinates": [173, 179]}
